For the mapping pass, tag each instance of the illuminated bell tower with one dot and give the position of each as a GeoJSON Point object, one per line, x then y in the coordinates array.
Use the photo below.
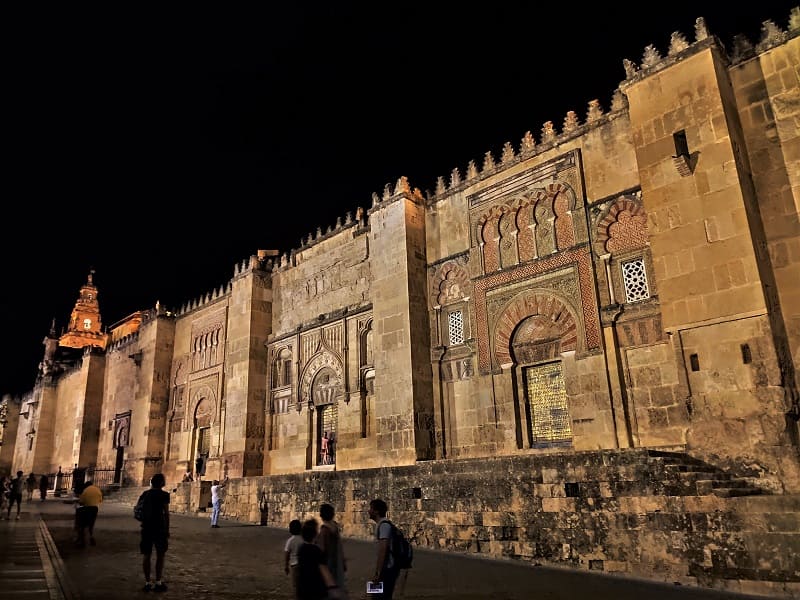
{"type": "Point", "coordinates": [84, 324]}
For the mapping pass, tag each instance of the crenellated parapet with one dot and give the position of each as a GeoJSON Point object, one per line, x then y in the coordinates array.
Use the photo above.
{"type": "Point", "coordinates": [402, 189]}
{"type": "Point", "coordinates": [358, 221]}
{"type": "Point", "coordinates": [262, 261]}
{"type": "Point", "coordinates": [123, 343]}
{"type": "Point", "coordinates": [652, 61]}
{"type": "Point", "coordinates": [212, 296]}
{"type": "Point", "coordinates": [572, 127]}
{"type": "Point", "coordinates": [679, 48]}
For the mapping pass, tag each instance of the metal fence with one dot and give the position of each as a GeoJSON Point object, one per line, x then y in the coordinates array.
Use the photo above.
{"type": "Point", "coordinates": [71, 482]}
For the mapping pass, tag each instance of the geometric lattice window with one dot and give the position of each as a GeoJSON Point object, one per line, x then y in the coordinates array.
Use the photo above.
{"type": "Point", "coordinates": [455, 322]}
{"type": "Point", "coordinates": [635, 278]}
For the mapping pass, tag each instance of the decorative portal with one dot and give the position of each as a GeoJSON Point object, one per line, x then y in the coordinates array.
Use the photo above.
{"type": "Point", "coordinates": [326, 434]}
{"type": "Point", "coordinates": [122, 430]}
{"type": "Point", "coordinates": [203, 450]}
{"type": "Point", "coordinates": [203, 418]}
{"type": "Point", "coordinates": [324, 394]}
{"type": "Point", "coordinates": [546, 397]}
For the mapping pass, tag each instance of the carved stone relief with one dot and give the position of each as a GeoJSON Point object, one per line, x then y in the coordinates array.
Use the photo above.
{"type": "Point", "coordinates": [532, 224]}
{"type": "Point", "coordinates": [576, 294]}
{"type": "Point", "coordinates": [207, 346]}
{"type": "Point", "coordinates": [621, 226]}
{"type": "Point", "coordinates": [533, 317]}
{"type": "Point", "coordinates": [449, 282]}
{"type": "Point", "coordinates": [204, 406]}
{"type": "Point", "coordinates": [122, 427]}
{"type": "Point", "coordinates": [323, 360]}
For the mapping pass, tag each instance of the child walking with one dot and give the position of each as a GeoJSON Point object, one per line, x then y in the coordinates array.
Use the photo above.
{"type": "Point", "coordinates": [290, 549]}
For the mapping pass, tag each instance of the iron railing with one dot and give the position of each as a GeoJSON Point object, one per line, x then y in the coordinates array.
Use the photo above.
{"type": "Point", "coordinates": [66, 482]}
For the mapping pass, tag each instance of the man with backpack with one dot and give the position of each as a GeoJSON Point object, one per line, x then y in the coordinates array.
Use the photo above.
{"type": "Point", "coordinates": [387, 567]}
{"type": "Point", "coordinates": [152, 509]}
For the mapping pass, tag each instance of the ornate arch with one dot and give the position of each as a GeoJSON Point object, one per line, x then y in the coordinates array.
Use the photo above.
{"type": "Point", "coordinates": [326, 387]}
{"type": "Point", "coordinates": [557, 199]}
{"type": "Point", "coordinates": [315, 365]}
{"type": "Point", "coordinates": [204, 406]}
{"type": "Point", "coordinates": [535, 315]}
{"type": "Point", "coordinates": [451, 284]}
{"type": "Point", "coordinates": [622, 226]}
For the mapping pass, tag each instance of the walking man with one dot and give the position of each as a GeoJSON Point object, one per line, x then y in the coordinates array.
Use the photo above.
{"type": "Point", "coordinates": [15, 488]}
{"type": "Point", "coordinates": [385, 570]}
{"type": "Point", "coordinates": [216, 501]}
{"type": "Point", "coordinates": [86, 514]}
{"type": "Point", "coordinates": [155, 531]}
{"type": "Point", "coordinates": [329, 539]}
{"type": "Point", "coordinates": [30, 483]}
{"type": "Point", "coordinates": [44, 483]}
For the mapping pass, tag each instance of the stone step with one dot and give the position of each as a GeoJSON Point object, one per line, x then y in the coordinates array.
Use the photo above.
{"type": "Point", "coordinates": [736, 492]}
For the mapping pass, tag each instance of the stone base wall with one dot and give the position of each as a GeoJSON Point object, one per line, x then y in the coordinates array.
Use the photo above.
{"type": "Point", "coordinates": [632, 512]}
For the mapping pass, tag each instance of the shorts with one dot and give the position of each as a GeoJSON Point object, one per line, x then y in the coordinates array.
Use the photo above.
{"type": "Point", "coordinates": [85, 516]}
{"type": "Point", "coordinates": [152, 538]}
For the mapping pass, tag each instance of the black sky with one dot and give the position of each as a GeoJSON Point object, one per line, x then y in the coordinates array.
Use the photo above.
{"type": "Point", "coordinates": [163, 146]}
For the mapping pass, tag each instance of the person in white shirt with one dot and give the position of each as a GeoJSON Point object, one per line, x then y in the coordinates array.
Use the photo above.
{"type": "Point", "coordinates": [290, 551]}
{"type": "Point", "coordinates": [216, 501]}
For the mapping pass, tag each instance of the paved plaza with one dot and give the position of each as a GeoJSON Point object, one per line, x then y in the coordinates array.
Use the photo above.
{"type": "Point", "coordinates": [39, 560]}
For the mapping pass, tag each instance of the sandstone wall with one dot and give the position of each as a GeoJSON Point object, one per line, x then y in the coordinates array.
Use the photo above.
{"type": "Point", "coordinates": [767, 93]}
{"type": "Point", "coordinates": [196, 387]}
{"type": "Point", "coordinates": [629, 512]}
{"type": "Point", "coordinates": [328, 275]}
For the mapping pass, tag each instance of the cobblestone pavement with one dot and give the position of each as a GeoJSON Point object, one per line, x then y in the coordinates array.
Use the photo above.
{"type": "Point", "coordinates": [246, 562]}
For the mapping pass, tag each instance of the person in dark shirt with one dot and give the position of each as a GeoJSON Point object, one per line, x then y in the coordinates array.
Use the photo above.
{"type": "Point", "coordinates": [314, 579]}
{"type": "Point", "coordinates": [44, 483]}
{"type": "Point", "coordinates": [155, 531]}
{"type": "Point", "coordinates": [15, 488]}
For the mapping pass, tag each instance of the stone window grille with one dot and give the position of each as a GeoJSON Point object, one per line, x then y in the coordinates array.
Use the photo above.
{"type": "Point", "coordinates": [634, 276]}
{"type": "Point", "coordinates": [455, 321]}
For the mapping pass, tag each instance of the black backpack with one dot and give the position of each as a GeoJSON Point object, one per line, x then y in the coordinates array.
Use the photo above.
{"type": "Point", "coordinates": [145, 511]}
{"type": "Point", "coordinates": [139, 509]}
{"type": "Point", "coordinates": [401, 548]}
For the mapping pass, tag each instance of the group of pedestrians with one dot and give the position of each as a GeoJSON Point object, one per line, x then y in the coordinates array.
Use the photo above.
{"type": "Point", "coordinates": [12, 490]}
{"type": "Point", "coordinates": [314, 553]}
{"type": "Point", "coordinates": [315, 559]}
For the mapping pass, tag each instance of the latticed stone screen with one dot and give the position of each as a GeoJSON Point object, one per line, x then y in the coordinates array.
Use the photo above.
{"type": "Point", "coordinates": [634, 277]}
{"type": "Point", "coordinates": [547, 396]}
{"type": "Point", "coordinates": [456, 326]}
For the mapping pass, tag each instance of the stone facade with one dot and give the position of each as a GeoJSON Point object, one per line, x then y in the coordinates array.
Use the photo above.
{"type": "Point", "coordinates": [582, 351]}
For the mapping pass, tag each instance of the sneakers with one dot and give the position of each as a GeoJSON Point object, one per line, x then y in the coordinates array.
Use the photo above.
{"type": "Point", "coordinates": [148, 587]}
{"type": "Point", "coordinates": [160, 587]}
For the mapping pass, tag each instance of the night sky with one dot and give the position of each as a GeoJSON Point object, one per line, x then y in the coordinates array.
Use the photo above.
{"type": "Point", "coordinates": [160, 147]}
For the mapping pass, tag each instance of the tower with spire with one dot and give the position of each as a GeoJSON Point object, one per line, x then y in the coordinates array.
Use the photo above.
{"type": "Point", "coordinates": [85, 325]}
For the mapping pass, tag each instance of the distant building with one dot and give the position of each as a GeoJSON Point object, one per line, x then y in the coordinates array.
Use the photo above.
{"type": "Point", "coordinates": [614, 304]}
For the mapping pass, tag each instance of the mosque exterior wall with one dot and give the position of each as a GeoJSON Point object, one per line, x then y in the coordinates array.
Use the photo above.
{"type": "Point", "coordinates": [607, 314]}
